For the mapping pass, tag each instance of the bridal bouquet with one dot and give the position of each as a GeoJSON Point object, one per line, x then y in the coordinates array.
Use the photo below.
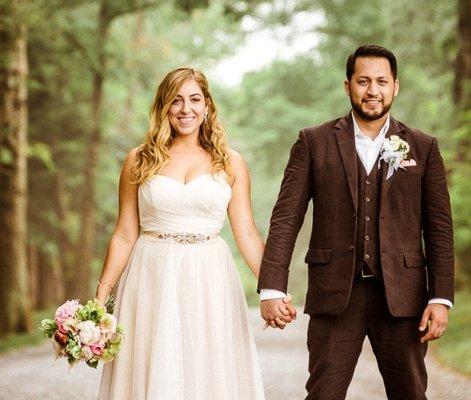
{"type": "Point", "coordinates": [84, 332]}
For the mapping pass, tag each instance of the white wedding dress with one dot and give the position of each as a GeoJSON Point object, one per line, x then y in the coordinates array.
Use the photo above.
{"type": "Point", "coordinates": [187, 335]}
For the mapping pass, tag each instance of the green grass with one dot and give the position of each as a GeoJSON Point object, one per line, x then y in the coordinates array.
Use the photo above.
{"type": "Point", "coordinates": [35, 337]}
{"type": "Point", "coordinates": [454, 348]}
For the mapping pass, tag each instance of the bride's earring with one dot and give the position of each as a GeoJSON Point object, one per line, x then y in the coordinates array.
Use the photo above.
{"type": "Point", "coordinates": [205, 116]}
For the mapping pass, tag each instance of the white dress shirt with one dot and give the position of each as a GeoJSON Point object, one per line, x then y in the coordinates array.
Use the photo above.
{"type": "Point", "coordinates": [368, 150]}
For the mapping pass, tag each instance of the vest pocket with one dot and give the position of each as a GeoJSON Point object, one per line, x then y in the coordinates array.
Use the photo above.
{"type": "Point", "coordinates": [414, 259]}
{"type": "Point", "coordinates": [318, 256]}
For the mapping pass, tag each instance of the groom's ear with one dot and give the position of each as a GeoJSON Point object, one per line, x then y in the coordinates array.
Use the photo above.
{"type": "Point", "coordinates": [396, 87]}
{"type": "Point", "coordinates": [346, 86]}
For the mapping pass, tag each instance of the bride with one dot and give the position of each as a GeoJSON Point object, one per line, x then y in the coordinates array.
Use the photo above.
{"type": "Point", "coordinates": [179, 296]}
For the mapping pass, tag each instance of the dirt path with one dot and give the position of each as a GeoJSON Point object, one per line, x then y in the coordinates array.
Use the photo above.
{"type": "Point", "coordinates": [32, 373]}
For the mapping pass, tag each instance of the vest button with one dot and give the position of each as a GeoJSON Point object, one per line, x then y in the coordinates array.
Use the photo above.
{"type": "Point", "coordinates": [367, 237]}
{"type": "Point", "coordinates": [354, 214]}
{"type": "Point", "coordinates": [351, 247]}
{"type": "Point", "coordinates": [367, 218]}
{"type": "Point", "coordinates": [367, 256]}
{"type": "Point", "coordinates": [367, 199]}
{"type": "Point", "coordinates": [368, 182]}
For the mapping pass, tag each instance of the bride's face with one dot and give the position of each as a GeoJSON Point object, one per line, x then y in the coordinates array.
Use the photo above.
{"type": "Point", "coordinates": [186, 113]}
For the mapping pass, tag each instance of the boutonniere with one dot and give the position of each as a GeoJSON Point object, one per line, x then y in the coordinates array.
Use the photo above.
{"type": "Point", "coordinates": [394, 152]}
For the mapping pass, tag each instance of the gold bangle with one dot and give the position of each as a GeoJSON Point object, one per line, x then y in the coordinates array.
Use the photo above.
{"type": "Point", "coordinates": [105, 283]}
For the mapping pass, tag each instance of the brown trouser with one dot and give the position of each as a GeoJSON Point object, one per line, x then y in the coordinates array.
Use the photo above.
{"type": "Point", "coordinates": [335, 342]}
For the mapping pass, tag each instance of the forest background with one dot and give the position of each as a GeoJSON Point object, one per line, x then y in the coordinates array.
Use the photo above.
{"type": "Point", "coordinates": [77, 79]}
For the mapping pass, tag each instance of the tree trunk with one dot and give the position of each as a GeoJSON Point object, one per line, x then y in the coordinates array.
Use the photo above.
{"type": "Point", "coordinates": [14, 286]}
{"type": "Point", "coordinates": [462, 85]}
{"type": "Point", "coordinates": [33, 273]}
{"type": "Point", "coordinates": [67, 256]}
{"type": "Point", "coordinates": [86, 245]}
{"type": "Point", "coordinates": [137, 44]}
{"type": "Point", "coordinates": [462, 97]}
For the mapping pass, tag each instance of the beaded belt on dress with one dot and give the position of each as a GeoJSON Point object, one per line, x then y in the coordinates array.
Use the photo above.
{"type": "Point", "coordinates": [182, 237]}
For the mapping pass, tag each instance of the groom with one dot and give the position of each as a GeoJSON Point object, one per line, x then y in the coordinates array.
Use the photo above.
{"type": "Point", "coordinates": [373, 222]}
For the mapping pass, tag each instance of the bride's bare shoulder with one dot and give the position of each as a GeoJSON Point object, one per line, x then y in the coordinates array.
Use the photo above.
{"type": "Point", "coordinates": [236, 158]}
{"type": "Point", "coordinates": [238, 165]}
{"type": "Point", "coordinates": [129, 162]}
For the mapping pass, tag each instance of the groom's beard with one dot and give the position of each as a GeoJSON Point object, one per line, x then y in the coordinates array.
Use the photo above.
{"type": "Point", "coordinates": [370, 115]}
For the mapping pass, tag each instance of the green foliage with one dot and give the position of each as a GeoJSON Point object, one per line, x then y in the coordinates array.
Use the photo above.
{"type": "Point", "coordinates": [36, 337]}
{"type": "Point", "coordinates": [262, 116]}
{"type": "Point", "coordinates": [42, 152]}
{"type": "Point", "coordinates": [6, 156]}
{"type": "Point", "coordinates": [454, 348]}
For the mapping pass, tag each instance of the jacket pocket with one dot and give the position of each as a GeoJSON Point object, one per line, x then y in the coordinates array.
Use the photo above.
{"type": "Point", "coordinates": [318, 256]}
{"type": "Point", "coordinates": [414, 259]}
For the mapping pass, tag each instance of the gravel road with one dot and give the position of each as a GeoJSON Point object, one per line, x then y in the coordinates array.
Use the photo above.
{"type": "Point", "coordinates": [32, 374]}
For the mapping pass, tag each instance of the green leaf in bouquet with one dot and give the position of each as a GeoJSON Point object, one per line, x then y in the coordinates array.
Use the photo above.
{"type": "Point", "coordinates": [110, 303]}
{"type": "Point", "coordinates": [92, 363]}
{"type": "Point", "coordinates": [92, 311]}
{"type": "Point", "coordinates": [73, 348]}
{"type": "Point", "coordinates": [48, 326]}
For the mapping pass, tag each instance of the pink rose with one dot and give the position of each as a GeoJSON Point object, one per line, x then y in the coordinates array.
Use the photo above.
{"type": "Point", "coordinates": [97, 348]}
{"type": "Point", "coordinates": [65, 312]}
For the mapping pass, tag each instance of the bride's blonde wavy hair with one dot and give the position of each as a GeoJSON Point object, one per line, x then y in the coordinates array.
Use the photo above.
{"type": "Point", "coordinates": [152, 155]}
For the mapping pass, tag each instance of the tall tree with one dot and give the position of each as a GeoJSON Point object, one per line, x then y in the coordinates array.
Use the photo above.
{"type": "Point", "coordinates": [461, 189]}
{"type": "Point", "coordinates": [14, 293]}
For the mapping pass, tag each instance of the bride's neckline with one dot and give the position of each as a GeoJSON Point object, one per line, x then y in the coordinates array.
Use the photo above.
{"type": "Point", "coordinates": [184, 184]}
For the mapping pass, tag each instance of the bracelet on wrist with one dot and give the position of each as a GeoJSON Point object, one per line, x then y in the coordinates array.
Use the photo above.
{"type": "Point", "coordinates": [106, 283]}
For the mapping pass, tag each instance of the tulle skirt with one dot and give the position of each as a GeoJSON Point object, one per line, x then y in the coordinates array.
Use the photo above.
{"type": "Point", "coordinates": [187, 334]}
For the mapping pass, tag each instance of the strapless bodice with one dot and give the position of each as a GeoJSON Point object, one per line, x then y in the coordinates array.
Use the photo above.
{"type": "Point", "coordinates": [199, 206]}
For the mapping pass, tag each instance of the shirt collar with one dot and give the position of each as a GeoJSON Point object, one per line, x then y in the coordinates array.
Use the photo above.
{"type": "Point", "coordinates": [359, 133]}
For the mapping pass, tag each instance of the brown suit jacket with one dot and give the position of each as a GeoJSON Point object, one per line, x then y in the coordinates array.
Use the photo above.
{"type": "Point", "coordinates": [414, 211]}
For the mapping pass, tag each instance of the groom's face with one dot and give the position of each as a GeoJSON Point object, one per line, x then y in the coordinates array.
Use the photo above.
{"type": "Point", "coordinates": [372, 87]}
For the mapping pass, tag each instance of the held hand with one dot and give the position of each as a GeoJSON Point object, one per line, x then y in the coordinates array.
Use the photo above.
{"type": "Point", "coordinates": [277, 312]}
{"type": "Point", "coordinates": [288, 306]}
{"type": "Point", "coordinates": [435, 317]}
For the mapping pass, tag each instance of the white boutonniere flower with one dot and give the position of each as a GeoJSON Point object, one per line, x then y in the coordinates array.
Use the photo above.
{"type": "Point", "coordinates": [394, 152]}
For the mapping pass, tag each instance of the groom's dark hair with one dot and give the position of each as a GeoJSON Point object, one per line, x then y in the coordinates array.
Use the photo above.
{"type": "Point", "coordinates": [369, 50]}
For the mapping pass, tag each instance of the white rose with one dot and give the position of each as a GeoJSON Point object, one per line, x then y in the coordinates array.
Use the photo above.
{"type": "Point", "coordinates": [387, 146]}
{"type": "Point", "coordinates": [70, 325]}
{"type": "Point", "coordinates": [108, 324]}
{"type": "Point", "coordinates": [89, 332]}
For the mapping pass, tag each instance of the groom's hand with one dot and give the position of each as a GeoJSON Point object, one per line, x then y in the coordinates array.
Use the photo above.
{"type": "Point", "coordinates": [435, 317]}
{"type": "Point", "coordinates": [277, 312]}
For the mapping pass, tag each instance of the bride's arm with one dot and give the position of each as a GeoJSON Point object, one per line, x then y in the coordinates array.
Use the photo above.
{"type": "Point", "coordinates": [240, 214]}
{"type": "Point", "coordinates": [125, 233]}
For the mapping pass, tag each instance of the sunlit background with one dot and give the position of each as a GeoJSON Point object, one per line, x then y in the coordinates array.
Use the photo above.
{"type": "Point", "coordinates": [274, 68]}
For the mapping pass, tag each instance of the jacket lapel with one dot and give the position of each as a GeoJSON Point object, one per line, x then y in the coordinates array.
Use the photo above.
{"type": "Point", "coordinates": [346, 141]}
{"type": "Point", "coordinates": [395, 128]}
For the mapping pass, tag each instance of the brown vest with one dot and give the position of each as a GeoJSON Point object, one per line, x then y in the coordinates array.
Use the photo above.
{"type": "Point", "coordinates": [367, 235]}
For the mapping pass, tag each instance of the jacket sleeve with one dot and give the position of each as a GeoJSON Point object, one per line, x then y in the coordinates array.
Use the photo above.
{"type": "Point", "coordinates": [287, 217]}
{"type": "Point", "coordinates": [437, 227]}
